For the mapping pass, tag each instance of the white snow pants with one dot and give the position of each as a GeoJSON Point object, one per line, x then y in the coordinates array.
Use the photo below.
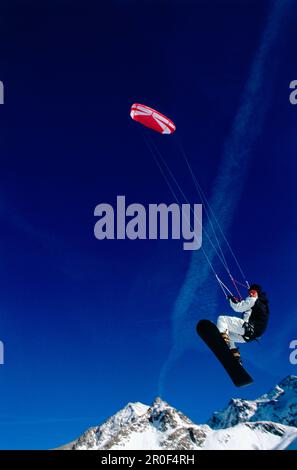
{"type": "Point", "coordinates": [233, 326]}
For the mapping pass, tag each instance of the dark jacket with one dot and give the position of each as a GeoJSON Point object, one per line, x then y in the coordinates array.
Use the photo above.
{"type": "Point", "coordinates": [260, 314]}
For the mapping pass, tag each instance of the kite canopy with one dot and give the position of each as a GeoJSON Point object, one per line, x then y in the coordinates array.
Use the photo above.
{"type": "Point", "coordinates": [151, 118]}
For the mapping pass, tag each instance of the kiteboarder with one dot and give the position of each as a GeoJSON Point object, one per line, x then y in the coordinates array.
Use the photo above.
{"type": "Point", "coordinates": [255, 313]}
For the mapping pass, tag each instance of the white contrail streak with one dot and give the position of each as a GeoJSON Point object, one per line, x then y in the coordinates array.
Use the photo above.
{"type": "Point", "coordinates": [228, 187]}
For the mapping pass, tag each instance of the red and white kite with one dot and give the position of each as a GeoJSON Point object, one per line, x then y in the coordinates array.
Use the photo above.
{"type": "Point", "coordinates": [151, 118]}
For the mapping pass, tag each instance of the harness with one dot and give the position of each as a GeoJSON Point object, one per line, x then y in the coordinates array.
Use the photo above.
{"type": "Point", "coordinates": [249, 332]}
{"type": "Point", "coordinates": [257, 323]}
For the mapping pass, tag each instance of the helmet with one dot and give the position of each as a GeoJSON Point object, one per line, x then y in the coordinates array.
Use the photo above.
{"type": "Point", "coordinates": [255, 287]}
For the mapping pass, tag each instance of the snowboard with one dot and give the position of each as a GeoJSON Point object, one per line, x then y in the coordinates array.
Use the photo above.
{"type": "Point", "coordinates": [212, 337]}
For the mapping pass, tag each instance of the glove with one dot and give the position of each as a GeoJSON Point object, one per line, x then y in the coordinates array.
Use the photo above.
{"type": "Point", "coordinates": [233, 299]}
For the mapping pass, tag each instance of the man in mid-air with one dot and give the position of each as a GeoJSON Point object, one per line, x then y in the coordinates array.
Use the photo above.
{"type": "Point", "coordinates": [255, 313]}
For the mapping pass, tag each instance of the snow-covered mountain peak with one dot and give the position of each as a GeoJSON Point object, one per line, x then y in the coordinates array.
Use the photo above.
{"type": "Point", "coordinates": [158, 402]}
{"type": "Point", "coordinates": [287, 385]}
{"type": "Point", "coordinates": [134, 409]}
{"type": "Point", "coordinates": [278, 405]}
{"type": "Point", "coordinates": [164, 417]}
{"type": "Point", "coordinates": [128, 414]}
{"type": "Point", "coordinates": [138, 426]}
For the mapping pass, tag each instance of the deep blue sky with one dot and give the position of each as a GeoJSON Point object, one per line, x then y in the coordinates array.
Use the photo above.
{"type": "Point", "coordinates": [87, 323]}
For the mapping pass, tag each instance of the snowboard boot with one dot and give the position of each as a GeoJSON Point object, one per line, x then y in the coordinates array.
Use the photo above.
{"type": "Point", "coordinates": [226, 338]}
{"type": "Point", "coordinates": [236, 355]}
